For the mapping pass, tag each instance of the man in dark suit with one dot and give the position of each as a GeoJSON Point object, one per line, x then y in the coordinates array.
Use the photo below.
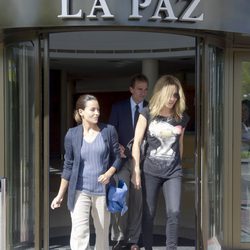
{"type": "Point", "coordinates": [126, 229]}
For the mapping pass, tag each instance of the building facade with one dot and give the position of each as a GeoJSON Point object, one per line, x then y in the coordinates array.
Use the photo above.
{"type": "Point", "coordinates": [52, 51]}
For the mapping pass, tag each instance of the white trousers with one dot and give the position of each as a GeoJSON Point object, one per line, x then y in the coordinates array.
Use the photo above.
{"type": "Point", "coordinates": [80, 233]}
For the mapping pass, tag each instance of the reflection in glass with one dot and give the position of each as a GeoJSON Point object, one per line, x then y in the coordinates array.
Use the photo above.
{"type": "Point", "coordinates": [245, 154]}
{"type": "Point", "coordinates": [215, 144]}
{"type": "Point", "coordinates": [19, 126]}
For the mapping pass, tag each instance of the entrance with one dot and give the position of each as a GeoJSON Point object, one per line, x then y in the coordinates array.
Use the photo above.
{"type": "Point", "coordinates": [100, 63]}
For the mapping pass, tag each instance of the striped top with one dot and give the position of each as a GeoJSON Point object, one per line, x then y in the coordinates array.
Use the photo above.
{"type": "Point", "coordinates": [91, 166]}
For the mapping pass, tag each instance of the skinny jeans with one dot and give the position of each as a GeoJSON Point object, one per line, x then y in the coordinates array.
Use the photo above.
{"type": "Point", "coordinates": [172, 194]}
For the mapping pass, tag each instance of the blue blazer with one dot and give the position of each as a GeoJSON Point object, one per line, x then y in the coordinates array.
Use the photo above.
{"type": "Point", "coordinates": [72, 158]}
{"type": "Point", "coordinates": [121, 118]}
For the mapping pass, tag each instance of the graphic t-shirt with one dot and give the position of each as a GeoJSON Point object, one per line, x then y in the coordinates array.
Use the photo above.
{"type": "Point", "coordinates": [163, 150]}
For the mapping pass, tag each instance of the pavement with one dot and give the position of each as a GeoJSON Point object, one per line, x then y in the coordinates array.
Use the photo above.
{"type": "Point", "coordinates": [62, 243]}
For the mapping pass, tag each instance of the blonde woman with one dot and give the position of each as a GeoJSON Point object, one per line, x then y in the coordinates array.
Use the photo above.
{"type": "Point", "coordinates": [163, 124]}
{"type": "Point", "coordinates": [92, 156]}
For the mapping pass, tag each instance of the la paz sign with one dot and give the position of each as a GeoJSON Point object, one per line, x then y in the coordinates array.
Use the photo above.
{"type": "Point", "coordinates": [163, 10]}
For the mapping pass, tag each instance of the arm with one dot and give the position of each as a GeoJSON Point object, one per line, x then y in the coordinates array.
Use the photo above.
{"type": "Point", "coordinates": [139, 134]}
{"type": "Point", "coordinates": [114, 156]}
{"type": "Point", "coordinates": [104, 178]}
{"type": "Point", "coordinates": [57, 201]}
{"type": "Point", "coordinates": [67, 169]}
{"type": "Point", "coordinates": [68, 156]}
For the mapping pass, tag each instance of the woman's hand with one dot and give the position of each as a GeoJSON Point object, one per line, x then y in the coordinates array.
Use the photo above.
{"type": "Point", "coordinates": [56, 202]}
{"type": "Point", "coordinates": [136, 178]}
{"type": "Point", "coordinates": [104, 178]}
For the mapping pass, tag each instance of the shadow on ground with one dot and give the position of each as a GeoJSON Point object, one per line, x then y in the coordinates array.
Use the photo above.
{"type": "Point", "coordinates": [159, 240]}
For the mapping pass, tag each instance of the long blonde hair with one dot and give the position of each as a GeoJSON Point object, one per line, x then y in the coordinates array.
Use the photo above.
{"type": "Point", "coordinates": [162, 92]}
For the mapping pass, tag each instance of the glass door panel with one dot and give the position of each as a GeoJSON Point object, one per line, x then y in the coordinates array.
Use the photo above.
{"type": "Point", "coordinates": [241, 148]}
{"type": "Point", "coordinates": [19, 128]}
{"type": "Point", "coordinates": [245, 152]}
{"type": "Point", "coordinates": [240, 151]}
{"type": "Point", "coordinates": [215, 142]}
{"type": "Point", "coordinates": [212, 147]}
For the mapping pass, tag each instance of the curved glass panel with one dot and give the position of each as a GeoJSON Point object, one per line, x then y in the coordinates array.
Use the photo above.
{"type": "Point", "coordinates": [19, 127]}
{"type": "Point", "coordinates": [215, 146]}
{"type": "Point", "coordinates": [245, 152]}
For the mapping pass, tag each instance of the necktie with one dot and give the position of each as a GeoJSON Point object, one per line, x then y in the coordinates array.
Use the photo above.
{"type": "Point", "coordinates": [136, 114]}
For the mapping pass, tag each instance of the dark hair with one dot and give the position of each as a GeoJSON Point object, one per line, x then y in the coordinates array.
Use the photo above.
{"type": "Point", "coordinates": [138, 77]}
{"type": "Point", "coordinates": [81, 104]}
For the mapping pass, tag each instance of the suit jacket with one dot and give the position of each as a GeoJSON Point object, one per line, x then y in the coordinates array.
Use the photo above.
{"type": "Point", "coordinates": [121, 118]}
{"type": "Point", "coordinates": [72, 157]}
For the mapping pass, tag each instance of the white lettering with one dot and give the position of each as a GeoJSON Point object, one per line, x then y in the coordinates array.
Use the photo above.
{"type": "Point", "coordinates": [186, 16]}
{"type": "Point", "coordinates": [103, 7]}
{"type": "Point", "coordinates": [65, 11]}
{"type": "Point", "coordinates": [163, 11]}
{"type": "Point", "coordinates": [135, 8]}
{"type": "Point", "coordinates": [167, 8]}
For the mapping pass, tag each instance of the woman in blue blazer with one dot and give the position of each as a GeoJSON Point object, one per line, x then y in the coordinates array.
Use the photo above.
{"type": "Point", "coordinates": [91, 157]}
